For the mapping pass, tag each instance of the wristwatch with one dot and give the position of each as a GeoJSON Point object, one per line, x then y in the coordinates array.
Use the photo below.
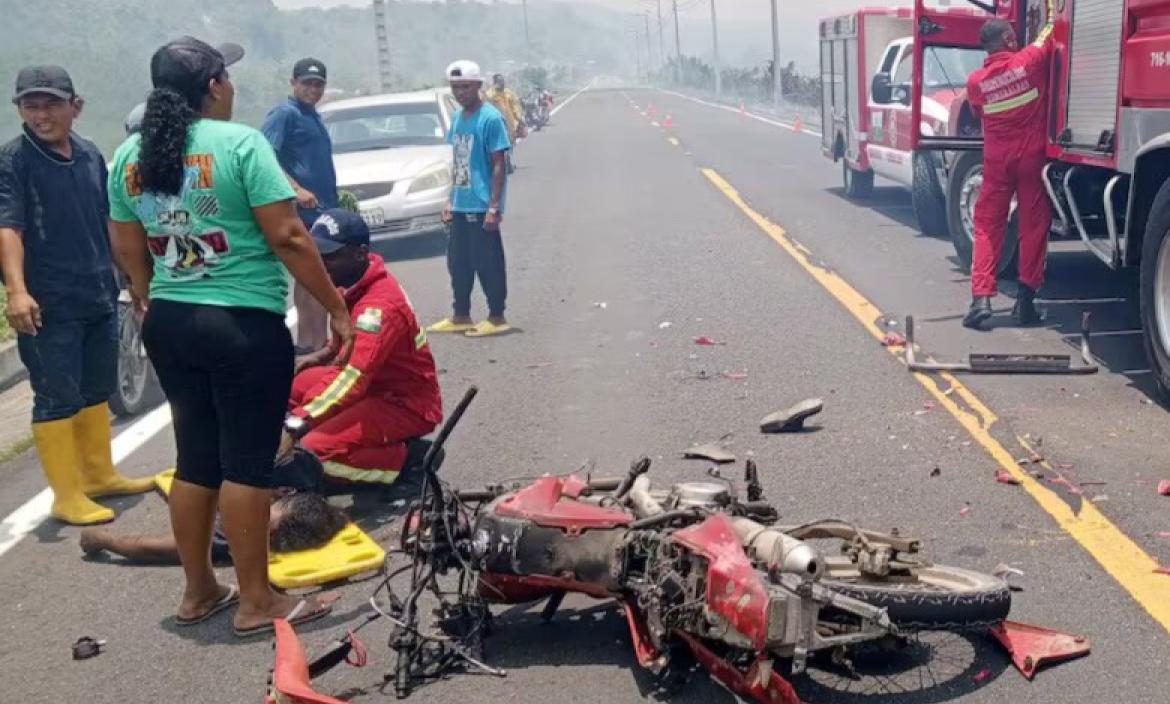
{"type": "Point", "coordinates": [296, 426]}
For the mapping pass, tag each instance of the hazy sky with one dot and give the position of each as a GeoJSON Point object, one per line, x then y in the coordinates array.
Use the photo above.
{"type": "Point", "coordinates": [745, 29]}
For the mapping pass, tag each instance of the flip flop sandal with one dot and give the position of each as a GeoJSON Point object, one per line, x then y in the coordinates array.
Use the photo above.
{"type": "Point", "coordinates": [446, 325]}
{"type": "Point", "coordinates": [487, 328]}
{"type": "Point", "coordinates": [226, 601]}
{"type": "Point", "coordinates": [294, 618]}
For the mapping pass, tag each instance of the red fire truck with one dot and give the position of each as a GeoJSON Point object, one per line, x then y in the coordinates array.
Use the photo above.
{"type": "Point", "coordinates": [867, 60]}
{"type": "Point", "coordinates": [1109, 135]}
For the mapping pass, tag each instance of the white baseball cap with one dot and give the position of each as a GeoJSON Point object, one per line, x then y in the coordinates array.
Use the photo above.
{"type": "Point", "coordinates": [464, 70]}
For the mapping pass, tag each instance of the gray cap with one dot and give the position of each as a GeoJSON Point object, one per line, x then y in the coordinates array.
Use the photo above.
{"type": "Point", "coordinates": [48, 80]}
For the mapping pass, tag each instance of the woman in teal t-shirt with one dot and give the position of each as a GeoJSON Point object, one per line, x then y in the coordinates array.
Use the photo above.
{"type": "Point", "coordinates": [204, 225]}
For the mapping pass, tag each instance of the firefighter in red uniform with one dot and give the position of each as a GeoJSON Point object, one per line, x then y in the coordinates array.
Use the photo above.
{"type": "Point", "coordinates": [359, 419]}
{"type": "Point", "coordinates": [1010, 94]}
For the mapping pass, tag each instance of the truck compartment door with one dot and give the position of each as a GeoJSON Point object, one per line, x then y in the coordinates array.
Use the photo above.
{"type": "Point", "coordinates": [1094, 71]}
{"type": "Point", "coordinates": [946, 52]}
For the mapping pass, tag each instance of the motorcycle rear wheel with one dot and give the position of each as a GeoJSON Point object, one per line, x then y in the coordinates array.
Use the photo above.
{"type": "Point", "coordinates": [933, 598]}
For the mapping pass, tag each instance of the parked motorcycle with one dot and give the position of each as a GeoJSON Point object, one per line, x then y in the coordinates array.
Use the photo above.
{"type": "Point", "coordinates": [701, 569]}
{"type": "Point", "coordinates": [536, 110]}
{"type": "Point", "coordinates": [138, 388]}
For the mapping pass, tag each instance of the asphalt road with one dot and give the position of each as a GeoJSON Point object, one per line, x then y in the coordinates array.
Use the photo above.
{"type": "Point", "coordinates": [605, 209]}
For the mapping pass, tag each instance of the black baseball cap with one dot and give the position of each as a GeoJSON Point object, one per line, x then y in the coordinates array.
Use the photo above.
{"type": "Point", "coordinates": [336, 228]}
{"type": "Point", "coordinates": [47, 80]}
{"type": "Point", "coordinates": [187, 64]}
{"type": "Point", "coordinates": [309, 68]}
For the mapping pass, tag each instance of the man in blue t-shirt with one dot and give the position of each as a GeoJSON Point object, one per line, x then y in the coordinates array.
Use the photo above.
{"type": "Point", "coordinates": [479, 137]}
{"type": "Point", "coordinates": [305, 152]}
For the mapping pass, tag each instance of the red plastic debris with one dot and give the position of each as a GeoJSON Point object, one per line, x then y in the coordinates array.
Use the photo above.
{"type": "Point", "coordinates": [705, 340]}
{"type": "Point", "coordinates": [1163, 570]}
{"type": "Point", "coordinates": [1032, 646]}
{"type": "Point", "coordinates": [893, 339]}
{"type": "Point", "coordinates": [1164, 534]}
{"type": "Point", "coordinates": [1164, 487]}
{"type": "Point", "coordinates": [964, 511]}
{"type": "Point", "coordinates": [1005, 477]}
{"type": "Point", "coordinates": [736, 376]}
{"type": "Point", "coordinates": [928, 405]}
{"type": "Point", "coordinates": [981, 675]}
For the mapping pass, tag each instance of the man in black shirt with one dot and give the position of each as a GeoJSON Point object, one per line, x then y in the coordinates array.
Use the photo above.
{"type": "Point", "coordinates": [62, 296]}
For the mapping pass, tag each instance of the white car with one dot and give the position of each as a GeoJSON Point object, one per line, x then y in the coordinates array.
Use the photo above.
{"type": "Point", "coordinates": [391, 152]}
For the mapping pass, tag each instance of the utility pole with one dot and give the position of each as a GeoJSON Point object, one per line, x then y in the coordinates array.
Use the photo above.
{"type": "Point", "coordinates": [527, 40]}
{"type": "Point", "coordinates": [715, 45]}
{"type": "Point", "coordinates": [382, 39]}
{"type": "Point", "coordinates": [777, 81]}
{"type": "Point", "coordinates": [649, 61]}
{"type": "Point", "coordinates": [661, 45]}
{"type": "Point", "coordinates": [637, 55]}
{"type": "Point", "coordinates": [677, 46]}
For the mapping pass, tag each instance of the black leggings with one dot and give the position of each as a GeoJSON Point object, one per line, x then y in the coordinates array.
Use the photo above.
{"type": "Point", "coordinates": [227, 373]}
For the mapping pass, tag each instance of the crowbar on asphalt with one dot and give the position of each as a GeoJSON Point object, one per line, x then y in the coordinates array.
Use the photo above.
{"type": "Point", "coordinates": [982, 363]}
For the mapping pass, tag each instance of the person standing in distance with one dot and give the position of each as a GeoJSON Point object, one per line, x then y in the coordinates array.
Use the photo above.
{"type": "Point", "coordinates": [479, 137]}
{"type": "Point", "coordinates": [59, 275]}
{"type": "Point", "coordinates": [305, 151]}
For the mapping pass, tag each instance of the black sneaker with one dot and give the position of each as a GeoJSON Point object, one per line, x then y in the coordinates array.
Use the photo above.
{"type": "Point", "coordinates": [978, 313]}
{"type": "Point", "coordinates": [1024, 313]}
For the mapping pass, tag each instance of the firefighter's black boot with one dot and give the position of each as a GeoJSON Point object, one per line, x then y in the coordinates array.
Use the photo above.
{"type": "Point", "coordinates": [978, 313]}
{"type": "Point", "coordinates": [1024, 313]}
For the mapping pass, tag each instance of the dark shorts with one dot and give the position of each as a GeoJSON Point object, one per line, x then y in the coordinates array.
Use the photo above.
{"type": "Point", "coordinates": [227, 373]}
{"type": "Point", "coordinates": [72, 364]}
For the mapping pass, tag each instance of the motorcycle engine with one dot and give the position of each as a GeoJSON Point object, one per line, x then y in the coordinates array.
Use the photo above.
{"type": "Point", "coordinates": [710, 495]}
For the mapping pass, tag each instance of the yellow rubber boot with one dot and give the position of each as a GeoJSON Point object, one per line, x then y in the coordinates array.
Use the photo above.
{"type": "Point", "coordinates": [99, 476]}
{"type": "Point", "coordinates": [58, 451]}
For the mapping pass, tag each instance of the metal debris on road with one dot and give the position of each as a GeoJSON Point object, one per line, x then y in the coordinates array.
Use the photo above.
{"type": "Point", "coordinates": [600, 304]}
{"type": "Point", "coordinates": [705, 340]}
{"type": "Point", "coordinates": [792, 419]}
{"type": "Point", "coordinates": [664, 324]}
{"type": "Point", "coordinates": [936, 472]}
{"type": "Point", "coordinates": [540, 365]}
{"type": "Point", "coordinates": [1005, 477]}
{"type": "Point", "coordinates": [709, 451]}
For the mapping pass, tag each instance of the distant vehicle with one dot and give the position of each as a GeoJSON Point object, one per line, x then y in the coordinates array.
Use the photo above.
{"type": "Point", "coordinates": [391, 152]}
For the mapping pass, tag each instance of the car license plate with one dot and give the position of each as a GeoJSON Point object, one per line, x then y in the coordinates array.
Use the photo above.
{"type": "Point", "coordinates": [374, 217]}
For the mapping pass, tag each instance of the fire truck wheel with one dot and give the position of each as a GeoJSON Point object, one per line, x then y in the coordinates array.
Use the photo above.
{"type": "Point", "coordinates": [966, 179]}
{"type": "Point", "coordinates": [1155, 289]}
{"type": "Point", "coordinates": [858, 184]}
{"type": "Point", "coordinates": [930, 204]}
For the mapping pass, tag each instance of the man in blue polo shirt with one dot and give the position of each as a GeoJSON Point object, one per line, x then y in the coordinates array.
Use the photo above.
{"type": "Point", "coordinates": [59, 276]}
{"type": "Point", "coordinates": [305, 152]}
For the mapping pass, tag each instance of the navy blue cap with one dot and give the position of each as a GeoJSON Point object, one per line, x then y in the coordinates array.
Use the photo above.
{"type": "Point", "coordinates": [336, 228]}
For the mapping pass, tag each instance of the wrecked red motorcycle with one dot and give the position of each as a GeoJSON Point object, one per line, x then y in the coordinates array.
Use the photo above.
{"type": "Point", "coordinates": [702, 571]}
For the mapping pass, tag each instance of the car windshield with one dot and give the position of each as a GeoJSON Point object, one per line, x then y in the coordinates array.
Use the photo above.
{"type": "Point", "coordinates": [948, 67]}
{"type": "Point", "coordinates": [384, 126]}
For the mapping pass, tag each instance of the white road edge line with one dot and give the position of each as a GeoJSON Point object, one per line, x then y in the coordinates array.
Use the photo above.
{"type": "Point", "coordinates": [568, 100]}
{"type": "Point", "coordinates": [752, 115]}
{"type": "Point", "coordinates": [33, 512]}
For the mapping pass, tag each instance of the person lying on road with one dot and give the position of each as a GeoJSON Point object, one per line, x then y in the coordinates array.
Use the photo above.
{"type": "Point", "coordinates": [301, 519]}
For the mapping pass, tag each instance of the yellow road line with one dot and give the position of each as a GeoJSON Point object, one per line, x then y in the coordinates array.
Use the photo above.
{"type": "Point", "coordinates": [672, 140]}
{"type": "Point", "coordinates": [1119, 555]}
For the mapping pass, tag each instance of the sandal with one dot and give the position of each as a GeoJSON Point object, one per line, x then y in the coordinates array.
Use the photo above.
{"type": "Point", "coordinates": [299, 614]}
{"type": "Point", "coordinates": [227, 600]}
{"type": "Point", "coordinates": [448, 325]}
{"type": "Point", "coordinates": [487, 328]}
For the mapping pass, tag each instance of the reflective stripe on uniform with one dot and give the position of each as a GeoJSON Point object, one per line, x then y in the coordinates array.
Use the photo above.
{"type": "Point", "coordinates": [333, 393]}
{"type": "Point", "coordinates": [364, 476]}
{"type": "Point", "coordinates": [420, 340]}
{"type": "Point", "coordinates": [1011, 103]}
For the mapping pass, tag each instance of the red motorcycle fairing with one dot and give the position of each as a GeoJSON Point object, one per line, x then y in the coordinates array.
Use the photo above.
{"type": "Point", "coordinates": [734, 588]}
{"type": "Point", "coordinates": [550, 501]}
{"type": "Point", "coordinates": [290, 675]}
{"type": "Point", "coordinates": [748, 685]}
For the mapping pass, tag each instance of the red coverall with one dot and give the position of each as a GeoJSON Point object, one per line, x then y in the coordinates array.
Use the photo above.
{"type": "Point", "coordinates": [360, 416]}
{"type": "Point", "coordinates": [1010, 94]}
